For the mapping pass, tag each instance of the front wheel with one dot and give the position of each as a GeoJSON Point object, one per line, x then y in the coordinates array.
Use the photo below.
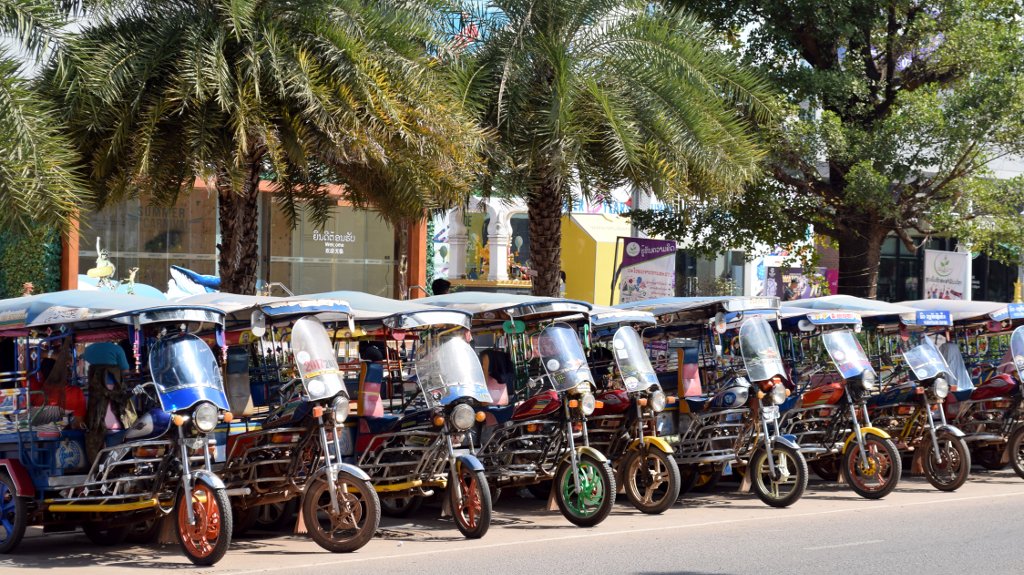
{"type": "Point", "coordinates": [13, 515]}
{"type": "Point", "coordinates": [1016, 447]}
{"type": "Point", "coordinates": [652, 480]}
{"type": "Point", "coordinates": [592, 502]}
{"type": "Point", "coordinates": [472, 511]}
{"type": "Point", "coordinates": [790, 479]}
{"type": "Point", "coordinates": [948, 471]}
{"type": "Point", "coordinates": [355, 521]}
{"type": "Point", "coordinates": [206, 540]}
{"type": "Point", "coordinates": [879, 476]}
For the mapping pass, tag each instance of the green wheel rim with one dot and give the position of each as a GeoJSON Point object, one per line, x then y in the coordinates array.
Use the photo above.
{"type": "Point", "coordinates": [592, 490]}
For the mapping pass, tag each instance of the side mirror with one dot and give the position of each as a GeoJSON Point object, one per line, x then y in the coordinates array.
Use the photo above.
{"type": "Point", "coordinates": [720, 325]}
{"type": "Point", "coordinates": [258, 323]}
{"type": "Point", "coordinates": [513, 327]}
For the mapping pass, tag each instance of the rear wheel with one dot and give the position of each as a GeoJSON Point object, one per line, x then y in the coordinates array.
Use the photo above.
{"type": "Point", "coordinates": [651, 480]}
{"type": "Point", "coordinates": [948, 471]}
{"type": "Point", "coordinates": [879, 476]}
{"type": "Point", "coordinates": [206, 540]}
{"type": "Point", "coordinates": [1016, 447]}
{"type": "Point", "coordinates": [356, 520]}
{"type": "Point", "coordinates": [592, 502]}
{"type": "Point", "coordinates": [145, 532]}
{"type": "Point", "coordinates": [276, 516]}
{"type": "Point", "coordinates": [826, 467]}
{"type": "Point", "coordinates": [103, 536]}
{"type": "Point", "coordinates": [13, 515]}
{"type": "Point", "coordinates": [990, 457]}
{"type": "Point", "coordinates": [242, 520]}
{"type": "Point", "coordinates": [472, 511]}
{"type": "Point", "coordinates": [790, 479]}
{"type": "Point", "coordinates": [400, 507]}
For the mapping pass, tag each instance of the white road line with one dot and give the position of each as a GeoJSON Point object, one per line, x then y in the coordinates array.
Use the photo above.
{"type": "Point", "coordinates": [839, 545]}
{"type": "Point", "coordinates": [595, 534]}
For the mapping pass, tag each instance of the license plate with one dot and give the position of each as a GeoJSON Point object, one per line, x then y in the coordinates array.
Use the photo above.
{"type": "Point", "coordinates": [770, 412]}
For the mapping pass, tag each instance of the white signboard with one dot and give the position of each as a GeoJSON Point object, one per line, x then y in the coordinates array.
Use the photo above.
{"type": "Point", "coordinates": [648, 269]}
{"type": "Point", "coordinates": [947, 275]}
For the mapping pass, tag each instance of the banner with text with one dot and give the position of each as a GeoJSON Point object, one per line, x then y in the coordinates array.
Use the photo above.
{"type": "Point", "coordinates": [947, 275]}
{"type": "Point", "coordinates": [648, 269]}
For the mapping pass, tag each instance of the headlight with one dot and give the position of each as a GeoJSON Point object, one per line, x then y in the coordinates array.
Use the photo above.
{"type": "Point", "coordinates": [462, 417]}
{"type": "Point", "coordinates": [779, 394]}
{"type": "Point", "coordinates": [205, 417]}
{"type": "Point", "coordinates": [868, 379]}
{"type": "Point", "coordinates": [657, 401]}
{"type": "Point", "coordinates": [588, 403]}
{"type": "Point", "coordinates": [340, 407]}
{"type": "Point", "coordinates": [941, 387]}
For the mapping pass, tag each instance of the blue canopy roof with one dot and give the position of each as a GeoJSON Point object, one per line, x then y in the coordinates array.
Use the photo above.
{"type": "Point", "coordinates": [486, 306]}
{"type": "Point", "coordinates": [76, 306]}
{"type": "Point", "coordinates": [397, 314]}
{"type": "Point", "coordinates": [240, 307]}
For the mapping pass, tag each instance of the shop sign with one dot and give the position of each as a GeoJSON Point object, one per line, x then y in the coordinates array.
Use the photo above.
{"type": "Point", "coordinates": [334, 243]}
{"type": "Point", "coordinates": [946, 275]}
{"type": "Point", "coordinates": [648, 269]}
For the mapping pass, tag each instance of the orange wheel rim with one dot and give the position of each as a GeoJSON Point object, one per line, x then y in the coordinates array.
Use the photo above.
{"type": "Point", "coordinates": [469, 506]}
{"type": "Point", "coordinates": [201, 538]}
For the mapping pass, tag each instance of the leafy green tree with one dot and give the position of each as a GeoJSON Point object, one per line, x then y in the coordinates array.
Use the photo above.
{"type": "Point", "coordinates": [587, 96]}
{"type": "Point", "coordinates": [897, 109]}
{"type": "Point", "coordinates": [37, 182]}
{"type": "Point", "coordinates": [159, 93]}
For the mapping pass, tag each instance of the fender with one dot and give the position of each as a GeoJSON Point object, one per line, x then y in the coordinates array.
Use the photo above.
{"type": "Point", "coordinates": [950, 429]}
{"type": "Point", "coordinates": [209, 478]}
{"type": "Point", "coordinates": [864, 431]}
{"type": "Point", "coordinates": [470, 461]}
{"type": "Point", "coordinates": [786, 440]}
{"type": "Point", "coordinates": [586, 450]}
{"type": "Point", "coordinates": [337, 468]}
{"type": "Point", "coordinates": [652, 441]}
{"type": "Point", "coordinates": [23, 486]}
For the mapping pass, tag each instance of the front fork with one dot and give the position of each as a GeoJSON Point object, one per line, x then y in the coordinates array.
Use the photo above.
{"type": "Point", "coordinates": [572, 447]}
{"type": "Point", "coordinates": [325, 445]}
{"type": "Point", "coordinates": [766, 432]}
{"type": "Point", "coordinates": [856, 428]}
{"type": "Point", "coordinates": [931, 427]}
{"type": "Point", "coordinates": [453, 465]}
{"type": "Point", "coordinates": [186, 475]}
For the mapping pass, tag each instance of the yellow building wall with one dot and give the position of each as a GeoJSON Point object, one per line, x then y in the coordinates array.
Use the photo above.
{"type": "Point", "coordinates": [588, 255]}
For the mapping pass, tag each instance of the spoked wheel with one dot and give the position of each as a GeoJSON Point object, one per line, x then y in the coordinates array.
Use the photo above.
{"type": "Point", "coordinates": [826, 467]}
{"type": "Point", "coordinates": [990, 457]}
{"type": "Point", "coordinates": [592, 503]}
{"type": "Point", "coordinates": [953, 466]}
{"type": "Point", "coordinates": [400, 507]}
{"type": "Point", "coordinates": [1016, 447]}
{"type": "Point", "coordinates": [13, 515]}
{"type": "Point", "coordinates": [103, 536]}
{"type": "Point", "coordinates": [355, 521]}
{"type": "Point", "coordinates": [879, 476]}
{"type": "Point", "coordinates": [790, 478]}
{"type": "Point", "coordinates": [651, 480]}
{"type": "Point", "coordinates": [206, 540]}
{"type": "Point", "coordinates": [472, 511]}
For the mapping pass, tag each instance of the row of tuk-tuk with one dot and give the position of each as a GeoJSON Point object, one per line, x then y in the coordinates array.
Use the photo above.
{"type": "Point", "coordinates": [209, 416]}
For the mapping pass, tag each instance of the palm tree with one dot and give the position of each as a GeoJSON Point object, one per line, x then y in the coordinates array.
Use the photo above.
{"type": "Point", "coordinates": [37, 184]}
{"type": "Point", "coordinates": [596, 94]}
{"type": "Point", "coordinates": [160, 92]}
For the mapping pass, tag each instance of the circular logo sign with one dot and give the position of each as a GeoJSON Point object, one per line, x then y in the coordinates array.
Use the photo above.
{"type": "Point", "coordinates": [632, 249]}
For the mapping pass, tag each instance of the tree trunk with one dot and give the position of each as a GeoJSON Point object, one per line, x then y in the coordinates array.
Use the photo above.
{"type": "Point", "coordinates": [238, 250]}
{"type": "Point", "coordinates": [545, 212]}
{"type": "Point", "coordinates": [860, 251]}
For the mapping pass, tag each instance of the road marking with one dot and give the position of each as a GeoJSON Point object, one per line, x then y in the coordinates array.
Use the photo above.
{"type": "Point", "coordinates": [839, 545]}
{"type": "Point", "coordinates": [594, 534]}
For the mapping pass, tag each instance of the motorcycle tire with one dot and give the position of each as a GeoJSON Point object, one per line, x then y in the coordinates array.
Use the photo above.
{"type": "Point", "coordinates": [1016, 447]}
{"type": "Point", "coordinates": [952, 471]}
{"type": "Point", "coordinates": [400, 507]}
{"type": "Point", "coordinates": [594, 502]}
{"type": "Point", "coordinates": [651, 480]}
{"type": "Point", "coordinates": [13, 512]}
{"type": "Point", "coordinates": [206, 542]}
{"type": "Point", "coordinates": [826, 468]}
{"type": "Point", "coordinates": [778, 493]}
{"type": "Point", "coordinates": [360, 510]}
{"type": "Point", "coordinates": [884, 463]}
{"type": "Point", "coordinates": [472, 511]}
{"type": "Point", "coordinates": [103, 536]}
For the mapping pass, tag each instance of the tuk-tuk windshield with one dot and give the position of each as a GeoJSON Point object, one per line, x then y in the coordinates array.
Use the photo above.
{"type": "Point", "coordinates": [925, 360]}
{"type": "Point", "coordinates": [1017, 350]}
{"type": "Point", "coordinates": [846, 353]}
{"type": "Point", "coordinates": [183, 360]}
{"type": "Point", "coordinates": [448, 369]}
{"type": "Point", "coordinates": [760, 351]}
{"type": "Point", "coordinates": [957, 367]}
{"type": "Point", "coordinates": [315, 359]}
{"type": "Point", "coordinates": [631, 358]}
{"type": "Point", "coordinates": [562, 356]}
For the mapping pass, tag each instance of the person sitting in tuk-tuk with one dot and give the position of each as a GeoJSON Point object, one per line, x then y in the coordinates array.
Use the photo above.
{"type": "Point", "coordinates": [50, 389]}
{"type": "Point", "coordinates": [109, 406]}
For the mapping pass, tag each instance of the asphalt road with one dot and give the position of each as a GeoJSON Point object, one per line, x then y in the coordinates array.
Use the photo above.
{"type": "Point", "coordinates": [917, 529]}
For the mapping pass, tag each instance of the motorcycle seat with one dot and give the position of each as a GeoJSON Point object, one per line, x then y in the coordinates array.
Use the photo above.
{"type": "Point", "coordinates": [378, 424]}
{"type": "Point", "coordinates": [962, 394]}
{"type": "Point", "coordinates": [501, 413]}
{"type": "Point", "coordinates": [697, 403]}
